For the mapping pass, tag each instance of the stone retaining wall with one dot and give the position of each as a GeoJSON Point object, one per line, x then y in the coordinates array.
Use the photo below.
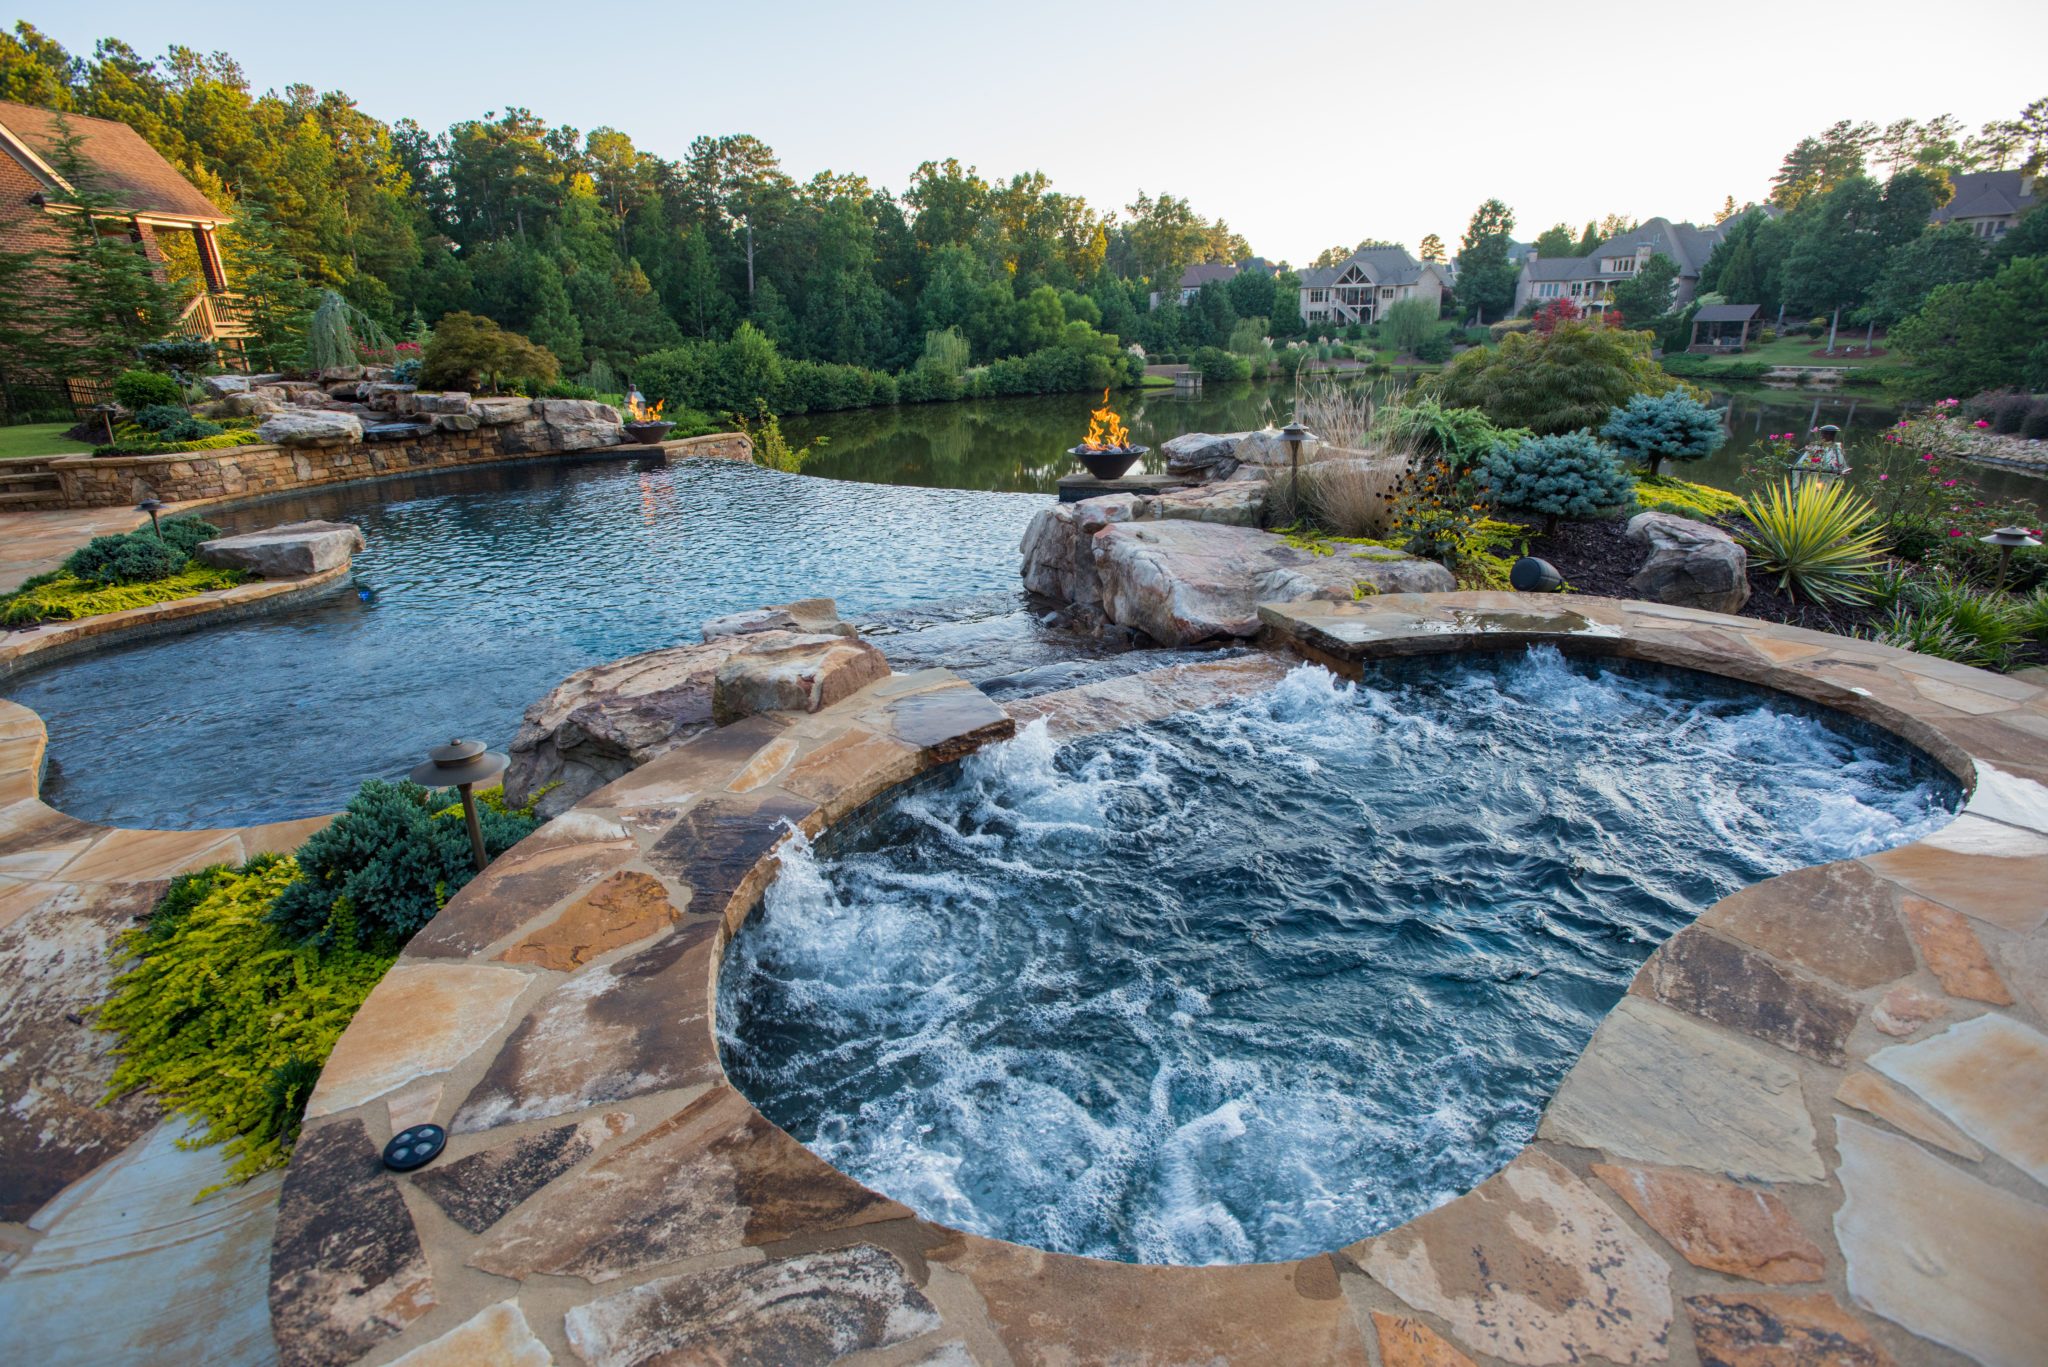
{"type": "Point", "coordinates": [253, 471]}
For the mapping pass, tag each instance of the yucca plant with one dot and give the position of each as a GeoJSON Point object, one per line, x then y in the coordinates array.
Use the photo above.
{"type": "Point", "coordinates": [1819, 538]}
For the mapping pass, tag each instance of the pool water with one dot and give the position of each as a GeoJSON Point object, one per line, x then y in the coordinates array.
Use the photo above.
{"type": "Point", "coordinates": [481, 590]}
{"type": "Point", "coordinates": [1256, 982]}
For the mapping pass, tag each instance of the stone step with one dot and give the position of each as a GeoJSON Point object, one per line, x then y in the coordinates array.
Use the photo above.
{"type": "Point", "coordinates": [41, 479]}
{"type": "Point", "coordinates": [51, 497]}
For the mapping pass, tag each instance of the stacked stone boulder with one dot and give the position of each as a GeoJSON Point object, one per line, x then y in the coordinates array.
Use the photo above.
{"type": "Point", "coordinates": [1691, 564]}
{"type": "Point", "coordinates": [603, 722]}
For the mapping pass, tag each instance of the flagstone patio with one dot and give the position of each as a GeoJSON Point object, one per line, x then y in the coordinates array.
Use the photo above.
{"type": "Point", "coordinates": [1813, 1132]}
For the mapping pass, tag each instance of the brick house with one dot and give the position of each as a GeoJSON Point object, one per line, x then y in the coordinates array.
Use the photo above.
{"type": "Point", "coordinates": [156, 204]}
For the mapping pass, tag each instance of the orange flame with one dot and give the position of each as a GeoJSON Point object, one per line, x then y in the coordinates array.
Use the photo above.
{"type": "Point", "coordinates": [638, 411]}
{"type": "Point", "coordinates": [1106, 430]}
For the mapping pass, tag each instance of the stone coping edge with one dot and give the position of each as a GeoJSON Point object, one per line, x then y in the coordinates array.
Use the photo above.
{"type": "Point", "coordinates": [22, 651]}
{"type": "Point", "coordinates": [1804, 1103]}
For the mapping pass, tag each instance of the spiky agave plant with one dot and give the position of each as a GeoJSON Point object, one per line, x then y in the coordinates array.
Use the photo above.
{"type": "Point", "coordinates": [1818, 538]}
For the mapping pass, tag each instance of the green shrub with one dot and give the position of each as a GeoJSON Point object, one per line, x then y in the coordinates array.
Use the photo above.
{"type": "Point", "coordinates": [226, 1021]}
{"type": "Point", "coordinates": [1217, 364]}
{"type": "Point", "coordinates": [1817, 536]}
{"type": "Point", "coordinates": [140, 389]}
{"type": "Point", "coordinates": [1925, 634]}
{"type": "Point", "coordinates": [2035, 424]}
{"type": "Point", "coordinates": [1434, 350]}
{"type": "Point", "coordinates": [160, 417]}
{"type": "Point", "coordinates": [1569, 475]}
{"type": "Point", "coordinates": [127, 559]}
{"type": "Point", "coordinates": [1663, 493]}
{"type": "Point", "coordinates": [1654, 428]}
{"type": "Point", "coordinates": [397, 855]}
{"type": "Point", "coordinates": [1459, 435]}
{"type": "Point", "coordinates": [183, 534]}
{"type": "Point", "coordinates": [191, 429]}
{"type": "Point", "coordinates": [1556, 382]}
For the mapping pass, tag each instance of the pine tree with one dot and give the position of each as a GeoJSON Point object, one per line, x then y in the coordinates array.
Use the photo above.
{"type": "Point", "coordinates": [109, 297]}
{"type": "Point", "coordinates": [273, 299]}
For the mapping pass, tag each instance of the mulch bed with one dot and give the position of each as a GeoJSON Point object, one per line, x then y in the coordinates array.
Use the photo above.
{"type": "Point", "coordinates": [1598, 558]}
{"type": "Point", "coordinates": [1844, 353]}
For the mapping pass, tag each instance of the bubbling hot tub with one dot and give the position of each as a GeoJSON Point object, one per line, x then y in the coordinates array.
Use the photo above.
{"type": "Point", "coordinates": [1255, 982]}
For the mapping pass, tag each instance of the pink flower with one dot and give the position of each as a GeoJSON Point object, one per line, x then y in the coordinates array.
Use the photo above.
{"type": "Point", "coordinates": [1882, 478]}
{"type": "Point", "coordinates": [1981, 423]}
{"type": "Point", "coordinates": [1948, 484]}
{"type": "Point", "coordinates": [1954, 532]}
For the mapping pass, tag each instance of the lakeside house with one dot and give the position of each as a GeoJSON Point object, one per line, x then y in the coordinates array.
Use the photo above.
{"type": "Point", "coordinates": [1989, 202]}
{"type": "Point", "coordinates": [1215, 272]}
{"type": "Point", "coordinates": [175, 225]}
{"type": "Point", "coordinates": [1589, 281]}
{"type": "Point", "coordinates": [1359, 288]}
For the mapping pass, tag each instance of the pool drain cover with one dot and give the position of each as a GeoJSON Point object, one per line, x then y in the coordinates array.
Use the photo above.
{"type": "Point", "coordinates": [415, 1147]}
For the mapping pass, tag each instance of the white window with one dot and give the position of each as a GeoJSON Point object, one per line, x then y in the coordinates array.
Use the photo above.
{"type": "Point", "coordinates": [1576, 287]}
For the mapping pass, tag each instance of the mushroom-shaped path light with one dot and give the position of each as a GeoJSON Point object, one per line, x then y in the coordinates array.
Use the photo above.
{"type": "Point", "coordinates": [2005, 538]}
{"type": "Point", "coordinates": [462, 764]}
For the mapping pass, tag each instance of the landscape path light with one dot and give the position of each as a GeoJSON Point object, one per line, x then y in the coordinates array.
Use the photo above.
{"type": "Point", "coordinates": [1295, 434]}
{"type": "Point", "coordinates": [462, 764]}
{"type": "Point", "coordinates": [2005, 538]}
{"type": "Point", "coordinates": [150, 506]}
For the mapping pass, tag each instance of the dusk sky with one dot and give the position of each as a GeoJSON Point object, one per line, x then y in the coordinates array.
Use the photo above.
{"type": "Point", "coordinates": [1305, 124]}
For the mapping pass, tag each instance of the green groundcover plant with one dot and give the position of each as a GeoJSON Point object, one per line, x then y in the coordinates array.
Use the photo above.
{"type": "Point", "coordinates": [63, 597]}
{"type": "Point", "coordinates": [242, 979]}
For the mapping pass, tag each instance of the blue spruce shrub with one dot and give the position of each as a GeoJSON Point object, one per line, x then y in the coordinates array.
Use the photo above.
{"type": "Point", "coordinates": [1654, 428]}
{"type": "Point", "coordinates": [397, 854]}
{"type": "Point", "coordinates": [160, 417]}
{"type": "Point", "coordinates": [1568, 475]}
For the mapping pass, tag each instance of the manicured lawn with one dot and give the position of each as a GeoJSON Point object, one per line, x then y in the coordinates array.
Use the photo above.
{"type": "Point", "coordinates": [39, 439]}
{"type": "Point", "coordinates": [1799, 351]}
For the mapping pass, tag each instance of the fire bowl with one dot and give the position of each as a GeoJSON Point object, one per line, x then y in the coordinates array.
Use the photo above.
{"type": "Point", "coordinates": [648, 433]}
{"type": "Point", "coordinates": [1112, 463]}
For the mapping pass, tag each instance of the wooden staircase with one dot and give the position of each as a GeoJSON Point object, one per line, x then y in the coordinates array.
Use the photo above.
{"type": "Point", "coordinates": [29, 484]}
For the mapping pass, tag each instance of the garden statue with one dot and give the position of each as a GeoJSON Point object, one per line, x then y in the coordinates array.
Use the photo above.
{"type": "Point", "coordinates": [1823, 455]}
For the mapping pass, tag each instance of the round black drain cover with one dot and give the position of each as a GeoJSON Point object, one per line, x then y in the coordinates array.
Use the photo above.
{"type": "Point", "coordinates": [415, 1147]}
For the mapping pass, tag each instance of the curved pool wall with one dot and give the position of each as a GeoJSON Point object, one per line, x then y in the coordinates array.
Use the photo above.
{"type": "Point", "coordinates": [655, 1208]}
{"type": "Point", "coordinates": [1262, 980]}
{"type": "Point", "coordinates": [478, 592]}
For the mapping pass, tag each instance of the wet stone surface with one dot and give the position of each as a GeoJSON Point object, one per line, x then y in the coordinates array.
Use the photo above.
{"type": "Point", "coordinates": [1719, 1225]}
{"type": "Point", "coordinates": [1762, 1329]}
{"type": "Point", "coordinates": [1732, 985]}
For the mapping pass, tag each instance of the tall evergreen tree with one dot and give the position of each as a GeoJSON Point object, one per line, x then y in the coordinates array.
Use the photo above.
{"type": "Point", "coordinates": [110, 298]}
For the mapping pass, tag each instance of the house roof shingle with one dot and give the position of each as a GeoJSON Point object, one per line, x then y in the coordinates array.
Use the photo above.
{"type": "Point", "coordinates": [128, 168]}
{"type": "Point", "coordinates": [1988, 194]}
{"type": "Point", "coordinates": [1726, 313]}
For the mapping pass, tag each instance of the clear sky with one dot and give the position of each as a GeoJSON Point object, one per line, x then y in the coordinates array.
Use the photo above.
{"type": "Point", "coordinates": [1304, 123]}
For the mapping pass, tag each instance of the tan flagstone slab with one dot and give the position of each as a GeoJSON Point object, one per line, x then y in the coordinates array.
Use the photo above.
{"type": "Point", "coordinates": [1867, 1091]}
{"type": "Point", "coordinates": [1772, 1329]}
{"type": "Point", "coordinates": [416, 1103]}
{"type": "Point", "coordinates": [1990, 1076]}
{"type": "Point", "coordinates": [2010, 798]}
{"type": "Point", "coordinates": [630, 1028]}
{"type": "Point", "coordinates": [717, 845]}
{"type": "Point", "coordinates": [771, 760]}
{"type": "Point", "coordinates": [1950, 1258]}
{"type": "Point", "coordinates": [1532, 1268]}
{"type": "Point", "coordinates": [1994, 872]}
{"type": "Point", "coordinates": [1056, 1310]}
{"type": "Point", "coordinates": [802, 1312]}
{"type": "Point", "coordinates": [1972, 700]}
{"type": "Point", "coordinates": [715, 1176]}
{"type": "Point", "coordinates": [1715, 1224]}
{"type": "Point", "coordinates": [952, 1353]}
{"type": "Point", "coordinates": [625, 907]}
{"type": "Point", "coordinates": [1407, 1342]}
{"type": "Point", "coordinates": [20, 896]}
{"type": "Point", "coordinates": [1838, 920]}
{"type": "Point", "coordinates": [1953, 952]}
{"type": "Point", "coordinates": [1657, 1086]}
{"type": "Point", "coordinates": [2026, 969]}
{"type": "Point", "coordinates": [496, 1336]}
{"type": "Point", "coordinates": [1784, 652]}
{"type": "Point", "coordinates": [707, 763]}
{"type": "Point", "coordinates": [140, 856]}
{"type": "Point", "coordinates": [842, 773]}
{"type": "Point", "coordinates": [516, 889]}
{"type": "Point", "coordinates": [1728, 983]}
{"type": "Point", "coordinates": [1905, 1009]}
{"type": "Point", "coordinates": [421, 1019]}
{"type": "Point", "coordinates": [45, 861]}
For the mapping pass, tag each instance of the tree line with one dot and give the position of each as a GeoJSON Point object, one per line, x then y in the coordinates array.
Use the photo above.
{"type": "Point", "coordinates": [603, 253]}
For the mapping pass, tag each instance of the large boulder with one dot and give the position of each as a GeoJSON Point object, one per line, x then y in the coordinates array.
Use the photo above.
{"type": "Point", "coordinates": [220, 386]}
{"type": "Point", "coordinates": [287, 550]}
{"type": "Point", "coordinates": [497, 412]}
{"type": "Point", "coordinates": [580, 424]}
{"type": "Point", "coordinates": [602, 722]}
{"type": "Point", "coordinates": [792, 672]}
{"type": "Point", "coordinates": [1181, 581]}
{"type": "Point", "coordinates": [1202, 454]}
{"type": "Point", "coordinates": [811, 616]}
{"type": "Point", "coordinates": [1059, 552]}
{"type": "Point", "coordinates": [383, 395]}
{"type": "Point", "coordinates": [452, 401]}
{"type": "Point", "coordinates": [1691, 564]}
{"type": "Point", "coordinates": [253, 403]}
{"type": "Point", "coordinates": [1268, 451]}
{"type": "Point", "coordinates": [310, 427]}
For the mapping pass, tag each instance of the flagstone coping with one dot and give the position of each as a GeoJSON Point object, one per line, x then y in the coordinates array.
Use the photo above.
{"type": "Point", "coordinates": [1699, 1190]}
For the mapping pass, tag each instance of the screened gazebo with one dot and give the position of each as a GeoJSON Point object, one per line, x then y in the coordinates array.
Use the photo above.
{"type": "Point", "coordinates": [1724, 327]}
